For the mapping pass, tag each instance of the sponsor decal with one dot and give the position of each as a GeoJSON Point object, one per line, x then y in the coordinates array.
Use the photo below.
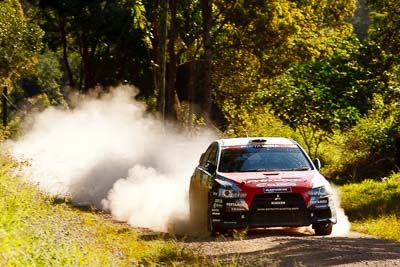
{"type": "Point", "coordinates": [216, 205]}
{"type": "Point", "coordinates": [216, 220]}
{"type": "Point", "coordinates": [281, 184]}
{"type": "Point", "coordinates": [276, 179]}
{"type": "Point", "coordinates": [278, 209]}
{"type": "Point", "coordinates": [275, 184]}
{"type": "Point", "coordinates": [278, 202]}
{"type": "Point", "coordinates": [277, 190]}
{"type": "Point", "coordinates": [218, 200]}
{"type": "Point", "coordinates": [215, 210]}
{"type": "Point", "coordinates": [237, 209]}
{"type": "Point", "coordinates": [216, 213]}
{"type": "Point", "coordinates": [234, 204]}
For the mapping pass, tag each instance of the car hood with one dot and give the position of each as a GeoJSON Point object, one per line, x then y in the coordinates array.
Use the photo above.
{"type": "Point", "coordinates": [303, 179]}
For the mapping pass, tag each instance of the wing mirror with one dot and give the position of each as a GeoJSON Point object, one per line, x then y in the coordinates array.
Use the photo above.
{"type": "Point", "coordinates": [210, 167]}
{"type": "Point", "coordinates": [317, 163]}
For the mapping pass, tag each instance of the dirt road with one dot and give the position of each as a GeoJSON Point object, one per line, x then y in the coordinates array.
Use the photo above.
{"type": "Point", "coordinates": [291, 247]}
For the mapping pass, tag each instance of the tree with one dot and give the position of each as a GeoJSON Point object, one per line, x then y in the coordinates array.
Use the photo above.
{"type": "Point", "coordinates": [281, 33]}
{"type": "Point", "coordinates": [382, 51]}
{"type": "Point", "coordinates": [260, 40]}
{"type": "Point", "coordinates": [171, 98]}
{"type": "Point", "coordinates": [206, 11]}
{"type": "Point", "coordinates": [110, 37]}
{"type": "Point", "coordinates": [321, 96]}
{"type": "Point", "coordinates": [385, 28]}
{"type": "Point", "coordinates": [20, 42]}
{"type": "Point", "coordinates": [46, 80]}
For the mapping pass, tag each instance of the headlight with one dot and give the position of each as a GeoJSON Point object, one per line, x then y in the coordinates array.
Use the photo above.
{"type": "Point", "coordinates": [319, 197]}
{"type": "Point", "coordinates": [321, 191]}
{"type": "Point", "coordinates": [228, 189]}
{"type": "Point", "coordinates": [230, 193]}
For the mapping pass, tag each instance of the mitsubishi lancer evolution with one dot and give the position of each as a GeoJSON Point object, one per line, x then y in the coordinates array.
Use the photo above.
{"type": "Point", "coordinates": [259, 182]}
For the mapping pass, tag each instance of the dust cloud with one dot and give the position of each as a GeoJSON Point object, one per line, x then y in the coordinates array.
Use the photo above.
{"type": "Point", "coordinates": [108, 152]}
{"type": "Point", "coordinates": [343, 225]}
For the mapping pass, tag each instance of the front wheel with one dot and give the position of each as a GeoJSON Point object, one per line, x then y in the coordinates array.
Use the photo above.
{"type": "Point", "coordinates": [210, 225]}
{"type": "Point", "coordinates": [324, 228]}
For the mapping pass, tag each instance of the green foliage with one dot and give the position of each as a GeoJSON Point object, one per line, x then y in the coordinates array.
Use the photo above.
{"type": "Point", "coordinates": [188, 30]}
{"type": "Point", "coordinates": [189, 122]}
{"type": "Point", "coordinates": [111, 37]}
{"type": "Point", "coordinates": [283, 32]}
{"type": "Point", "coordinates": [373, 205]}
{"type": "Point", "coordinates": [379, 226]}
{"type": "Point", "coordinates": [378, 74]}
{"type": "Point", "coordinates": [47, 80]}
{"type": "Point", "coordinates": [38, 230]}
{"type": "Point", "coordinates": [367, 150]}
{"type": "Point", "coordinates": [318, 97]}
{"type": "Point", "coordinates": [50, 77]}
{"type": "Point", "coordinates": [385, 20]}
{"type": "Point", "coordinates": [294, 56]}
{"type": "Point", "coordinates": [321, 92]}
{"type": "Point", "coordinates": [378, 198]}
{"type": "Point", "coordinates": [20, 42]}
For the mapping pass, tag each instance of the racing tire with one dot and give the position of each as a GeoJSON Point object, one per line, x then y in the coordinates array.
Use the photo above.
{"type": "Point", "coordinates": [324, 228]}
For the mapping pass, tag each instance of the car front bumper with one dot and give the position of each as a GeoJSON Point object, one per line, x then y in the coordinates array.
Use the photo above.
{"type": "Point", "coordinates": [270, 210]}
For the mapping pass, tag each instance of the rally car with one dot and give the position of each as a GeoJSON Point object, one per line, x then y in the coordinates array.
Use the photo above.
{"type": "Point", "coordinates": [259, 182]}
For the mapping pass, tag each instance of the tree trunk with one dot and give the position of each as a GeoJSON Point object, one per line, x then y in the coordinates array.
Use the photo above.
{"type": "Point", "coordinates": [87, 61]}
{"type": "Point", "coordinates": [171, 99]}
{"type": "Point", "coordinates": [206, 8]}
{"type": "Point", "coordinates": [61, 24]}
{"type": "Point", "coordinates": [5, 107]}
{"type": "Point", "coordinates": [155, 51]}
{"type": "Point", "coordinates": [163, 58]}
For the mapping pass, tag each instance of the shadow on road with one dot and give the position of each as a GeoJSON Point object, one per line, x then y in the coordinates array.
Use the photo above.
{"type": "Point", "coordinates": [291, 247]}
{"type": "Point", "coordinates": [333, 251]}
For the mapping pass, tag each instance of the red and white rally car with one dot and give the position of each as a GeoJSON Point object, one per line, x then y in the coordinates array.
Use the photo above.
{"type": "Point", "coordinates": [259, 182]}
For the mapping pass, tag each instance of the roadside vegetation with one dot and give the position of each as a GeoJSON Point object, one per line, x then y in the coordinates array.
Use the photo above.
{"type": "Point", "coordinates": [39, 230]}
{"type": "Point", "coordinates": [374, 206]}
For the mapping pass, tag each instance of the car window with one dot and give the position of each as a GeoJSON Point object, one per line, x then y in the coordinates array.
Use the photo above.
{"type": "Point", "coordinates": [210, 154]}
{"type": "Point", "coordinates": [264, 158]}
{"type": "Point", "coordinates": [213, 154]}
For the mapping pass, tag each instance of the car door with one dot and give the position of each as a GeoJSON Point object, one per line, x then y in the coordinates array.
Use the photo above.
{"type": "Point", "coordinates": [200, 184]}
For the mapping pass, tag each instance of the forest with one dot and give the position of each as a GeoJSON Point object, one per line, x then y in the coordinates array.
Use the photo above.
{"type": "Point", "coordinates": [323, 72]}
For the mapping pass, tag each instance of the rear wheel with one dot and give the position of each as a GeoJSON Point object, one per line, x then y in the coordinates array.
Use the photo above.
{"type": "Point", "coordinates": [324, 228]}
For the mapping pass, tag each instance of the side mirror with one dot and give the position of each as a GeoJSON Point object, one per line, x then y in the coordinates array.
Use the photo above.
{"type": "Point", "coordinates": [210, 167]}
{"type": "Point", "coordinates": [317, 163]}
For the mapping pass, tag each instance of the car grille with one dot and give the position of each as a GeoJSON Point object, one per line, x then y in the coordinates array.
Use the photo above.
{"type": "Point", "coordinates": [278, 209]}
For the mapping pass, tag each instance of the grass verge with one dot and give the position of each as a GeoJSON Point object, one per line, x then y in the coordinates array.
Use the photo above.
{"type": "Point", "coordinates": [373, 207]}
{"type": "Point", "coordinates": [38, 230]}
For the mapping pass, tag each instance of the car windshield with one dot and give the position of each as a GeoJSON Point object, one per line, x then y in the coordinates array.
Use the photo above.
{"type": "Point", "coordinates": [263, 158]}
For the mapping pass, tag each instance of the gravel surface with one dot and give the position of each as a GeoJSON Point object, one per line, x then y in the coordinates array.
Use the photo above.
{"type": "Point", "coordinates": [291, 247]}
